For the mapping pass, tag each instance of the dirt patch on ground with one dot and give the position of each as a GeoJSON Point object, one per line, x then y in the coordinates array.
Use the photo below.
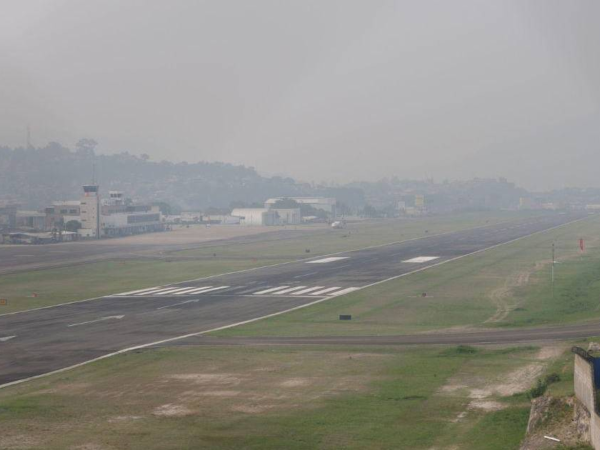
{"type": "Point", "coordinates": [486, 405]}
{"type": "Point", "coordinates": [485, 393]}
{"type": "Point", "coordinates": [208, 378]}
{"type": "Point", "coordinates": [119, 419]}
{"type": "Point", "coordinates": [520, 380]}
{"type": "Point", "coordinates": [170, 410]}
{"type": "Point", "coordinates": [295, 382]}
{"type": "Point", "coordinates": [503, 296]}
{"type": "Point", "coordinates": [18, 442]}
{"type": "Point", "coordinates": [251, 409]}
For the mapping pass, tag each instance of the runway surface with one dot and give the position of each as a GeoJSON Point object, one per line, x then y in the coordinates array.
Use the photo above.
{"type": "Point", "coordinates": [41, 341]}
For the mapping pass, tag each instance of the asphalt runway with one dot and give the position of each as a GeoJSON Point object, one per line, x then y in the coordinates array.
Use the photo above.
{"type": "Point", "coordinates": [41, 341]}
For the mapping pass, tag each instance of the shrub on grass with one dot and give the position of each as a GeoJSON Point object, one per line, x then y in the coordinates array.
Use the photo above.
{"type": "Point", "coordinates": [538, 390]}
{"type": "Point", "coordinates": [542, 385]}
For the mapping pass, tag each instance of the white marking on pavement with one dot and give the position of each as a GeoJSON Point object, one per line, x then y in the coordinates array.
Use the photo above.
{"type": "Point", "coordinates": [345, 291]}
{"type": "Point", "coordinates": [180, 303]}
{"type": "Point", "coordinates": [324, 291]}
{"type": "Point", "coordinates": [306, 275]}
{"type": "Point", "coordinates": [166, 291]}
{"type": "Point", "coordinates": [97, 320]}
{"type": "Point", "coordinates": [267, 291]}
{"type": "Point", "coordinates": [199, 290]}
{"type": "Point", "coordinates": [156, 291]}
{"type": "Point", "coordinates": [305, 291]}
{"type": "Point", "coordinates": [328, 260]}
{"type": "Point", "coordinates": [287, 291]}
{"type": "Point", "coordinates": [186, 291]}
{"type": "Point", "coordinates": [7, 338]}
{"type": "Point", "coordinates": [421, 259]}
{"type": "Point", "coordinates": [218, 288]}
{"type": "Point", "coordinates": [141, 291]}
{"type": "Point", "coordinates": [180, 290]}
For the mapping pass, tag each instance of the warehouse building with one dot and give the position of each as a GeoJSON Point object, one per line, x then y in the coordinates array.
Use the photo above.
{"type": "Point", "coordinates": [323, 203]}
{"type": "Point", "coordinates": [256, 216]}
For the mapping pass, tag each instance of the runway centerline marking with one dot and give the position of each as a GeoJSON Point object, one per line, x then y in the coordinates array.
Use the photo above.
{"type": "Point", "coordinates": [421, 259]}
{"type": "Point", "coordinates": [7, 338]}
{"type": "Point", "coordinates": [306, 275]}
{"type": "Point", "coordinates": [196, 300]}
{"type": "Point", "coordinates": [327, 260]}
{"type": "Point", "coordinates": [97, 320]}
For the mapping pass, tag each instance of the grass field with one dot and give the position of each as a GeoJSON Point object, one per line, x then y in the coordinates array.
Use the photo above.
{"type": "Point", "coordinates": [506, 286]}
{"type": "Point", "coordinates": [54, 286]}
{"type": "Point", "coordinates": [284, 397]}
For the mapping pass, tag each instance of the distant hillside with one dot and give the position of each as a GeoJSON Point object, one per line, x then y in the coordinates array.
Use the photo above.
{"type": "Point", "coordinates": [35, 177]}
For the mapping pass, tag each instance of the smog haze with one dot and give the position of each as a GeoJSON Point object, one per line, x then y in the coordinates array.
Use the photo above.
{"type": "Point", "coordinates": [335, 90]}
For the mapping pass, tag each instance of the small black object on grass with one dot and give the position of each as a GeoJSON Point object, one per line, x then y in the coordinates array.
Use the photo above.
{"type": "Point", "coordinates": [307, 250]}
{"type": "Point", "coordinates": [345, 317]}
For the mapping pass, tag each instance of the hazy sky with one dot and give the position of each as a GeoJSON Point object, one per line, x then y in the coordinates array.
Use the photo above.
{"type": "Point", "coordinates": [318, 90]}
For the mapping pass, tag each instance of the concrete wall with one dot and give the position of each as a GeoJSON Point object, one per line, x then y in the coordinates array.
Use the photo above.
{"type": "Point", "coordinates": [585, 390]}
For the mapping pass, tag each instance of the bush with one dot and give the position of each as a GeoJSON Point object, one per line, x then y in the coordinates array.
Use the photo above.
{"type": "Point", "coordinates": [552, 378]}
{"type": "Point", "coordinates": [542, 385]}
{"type": "Point", "coordinates": [538, 390]}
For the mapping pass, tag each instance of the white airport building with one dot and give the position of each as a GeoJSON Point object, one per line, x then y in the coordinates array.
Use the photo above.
{"type": "Point", "coordinates": [256, 216]}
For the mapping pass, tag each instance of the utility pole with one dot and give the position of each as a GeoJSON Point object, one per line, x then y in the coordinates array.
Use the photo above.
{"type": "Point", "coordinates": [553, 262]}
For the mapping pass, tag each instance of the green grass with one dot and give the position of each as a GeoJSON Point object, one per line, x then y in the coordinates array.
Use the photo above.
{"type": "Point", "coordinates": [506, 286]}
{"type": "Point", "coordinates": [270, 398]}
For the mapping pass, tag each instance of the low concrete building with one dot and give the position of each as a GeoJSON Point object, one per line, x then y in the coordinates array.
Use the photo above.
{"type": "Point", "coordinates": [256, 216]}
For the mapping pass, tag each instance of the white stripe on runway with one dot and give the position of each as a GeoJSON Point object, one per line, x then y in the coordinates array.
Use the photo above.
{"type": "Point", "coordinates": [306, 291]}
{"type": "Point", "coordinates": [199, 290]}
{"type": "Point", "coordinates": [187, 290]}
{"type": "Point", "coordinates": [327, 260]}
{"type": "Point", "coordinates": [344, 291]}
{"type": "Point", "coordinates": [286, 291]}
{"type": "Point", "coordinates": [421, 259]}
{"type": "Point", "coordinates": [268, 291]}
{"type": "Point", "coordinates": [166, 291]}
{"type": "Point", "coordinates": [218, 288]}
{"type": "Point", "coordinates": [140, 291]}
{"type": "Point", "coordinates": [155, 291]}
{"type": "Point", "coordinates": [324, 291]}
{"type": "Point", "coordinates": [180, 290]}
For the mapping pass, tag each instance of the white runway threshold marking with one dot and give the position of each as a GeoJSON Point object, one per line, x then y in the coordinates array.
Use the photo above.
{"type": "Point", "coordinates": [327, 260]}
{"type": "Point", "coordinates": [421, 259]}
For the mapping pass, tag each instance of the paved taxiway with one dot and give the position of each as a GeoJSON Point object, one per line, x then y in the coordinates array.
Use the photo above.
{"type": "Point", "coordinates": [41, 341]}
